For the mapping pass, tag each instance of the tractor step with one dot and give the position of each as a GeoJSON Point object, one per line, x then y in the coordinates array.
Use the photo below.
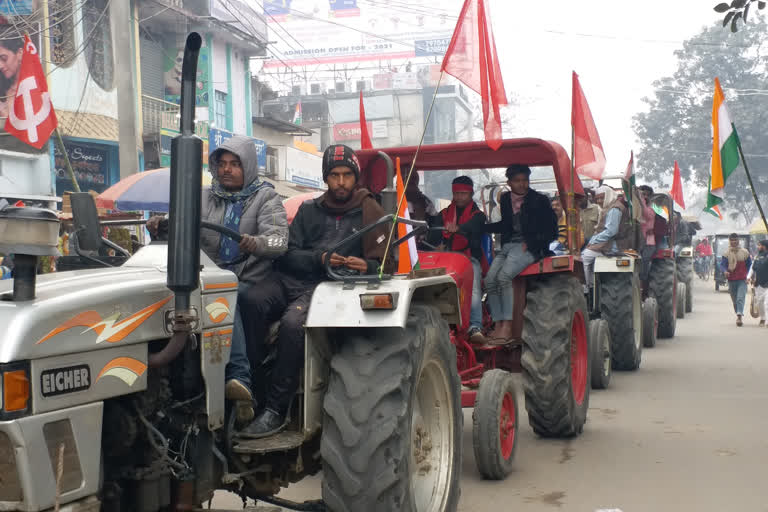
{"type": "Point", "coordinates": [282, 441]}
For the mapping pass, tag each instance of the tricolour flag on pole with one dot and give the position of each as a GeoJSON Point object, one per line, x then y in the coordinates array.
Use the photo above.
{"type": "Point", "coordinates": [409, 256]}
{"type": "Point", "coordinates": [297, 114]}
{"type": "Point", "coordinates": [725, 148]}
{"type": "Point", "coordinates": [588, 156]}
{"type": "Point", "coordinates": [471, 57]}
{"type": "Point", "coordinates": [628, 185]}
{"type": "Point", "coordinates": [677, 187]}
{"type": "Point", "coordinates": [365, 137]}
{"type": "Point", "coordinates": [715, 210]}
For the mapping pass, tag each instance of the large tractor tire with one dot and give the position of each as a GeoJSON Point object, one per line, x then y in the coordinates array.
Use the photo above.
{"type": "Point", "coordinates": [680, 300]}
{"type": "Point", "coordinates": [650, 322]}
{"type": "Point", "coordinates": [555, 358]}
{"type": "Point", "coordinates": [600, 339]}
{"type": "Point", "coordinates": [393, 424]}
{"type": "Point", "coordinates": [620, 307]}
{"type": "Point", "coordinates": [685, 273]}
{"type": "Point", "coordinates": [662, 288]}
{"type": "Point", "coordinates": [494, 429]}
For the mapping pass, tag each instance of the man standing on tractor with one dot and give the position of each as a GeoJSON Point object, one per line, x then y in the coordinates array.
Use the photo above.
{"type": "Point", "coordinates": [758, 277]}
{"type": "Point", "coordinates": [239, 200]}
{"type": "Point", "coordinates": [527, 226]}
{"type": "Point", "coordinates": [464, 226]}
{"type": "Point", "coordinates": [736, 263]}
{"type": "Point", "coordinates": [319, 225]}
{"type": "Point", "coordinates": [649, 249]}
{"type": "Point", "coordinates": [614, 231]}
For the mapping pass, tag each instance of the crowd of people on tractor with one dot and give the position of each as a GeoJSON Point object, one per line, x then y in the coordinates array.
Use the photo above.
{"type": "Point", "coordinates": [279, 266]}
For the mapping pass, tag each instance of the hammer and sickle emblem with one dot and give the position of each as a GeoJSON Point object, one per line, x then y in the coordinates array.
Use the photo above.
{"type": "Point", "coordinates": [31, 119]}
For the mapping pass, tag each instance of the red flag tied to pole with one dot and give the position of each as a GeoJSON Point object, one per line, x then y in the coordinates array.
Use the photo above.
{"type": "Point", "coordinates": [471, 58]}
{"type": "Point", "coordinates": [588, 155]}
{"type": "Point", "coordinates": [365, 137]}
{"type": "Point", "coordinates": [677, 188]}
{"type": "Point", "coordinates": [31, 117]}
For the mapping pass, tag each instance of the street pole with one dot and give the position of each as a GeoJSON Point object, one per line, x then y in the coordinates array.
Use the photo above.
{"type": "Point", "coordinates": [126, 88]}
{"type": "Point", "coordinates": [749, 179]}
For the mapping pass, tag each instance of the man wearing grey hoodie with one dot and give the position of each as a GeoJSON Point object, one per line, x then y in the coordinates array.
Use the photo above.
{"type": "Point", "coordinates": [239, 200]}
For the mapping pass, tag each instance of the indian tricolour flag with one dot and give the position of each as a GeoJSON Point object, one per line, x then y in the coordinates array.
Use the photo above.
{"type": "Point", "coordinates": [628, 185]}
{"type": "Point", "coordinates": [409, 257]}
{"type": "Point", "coordinates": [297, 114]}
{"type": "Point", "coordinates": [725, 148]}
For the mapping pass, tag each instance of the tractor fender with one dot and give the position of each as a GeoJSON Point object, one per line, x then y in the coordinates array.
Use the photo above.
{"type": "Point", "coordinates": [612, 265]}
{"type": "Point", "coordinates": [338, 304]}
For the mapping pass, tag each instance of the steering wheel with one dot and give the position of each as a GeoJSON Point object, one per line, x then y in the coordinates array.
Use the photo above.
{"type": "Point", "coordinates": [231, 233]}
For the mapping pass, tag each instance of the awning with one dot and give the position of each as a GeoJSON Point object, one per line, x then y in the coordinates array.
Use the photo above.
{"type": "Point", "coordinates": [286, 189]}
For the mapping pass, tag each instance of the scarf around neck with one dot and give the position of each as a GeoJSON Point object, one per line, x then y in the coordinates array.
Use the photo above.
{"type": "Point", "coordinates": [517, 201]}
{"type": "Point", "coordinates": [735, 256]}
{"type": "Point", "coordinates": [234, 203]}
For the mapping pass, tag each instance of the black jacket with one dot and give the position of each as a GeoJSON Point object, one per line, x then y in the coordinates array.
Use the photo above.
{"type": "Point", "coordinates": [314, 231]}
{"type": "Point", "coordinates": [760, 267]}
{"type": "Point", "coordinates": [538, 221]}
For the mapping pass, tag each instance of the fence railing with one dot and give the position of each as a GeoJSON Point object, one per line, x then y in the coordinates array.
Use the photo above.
{"type": "Point", "coordinates": [157, 114]}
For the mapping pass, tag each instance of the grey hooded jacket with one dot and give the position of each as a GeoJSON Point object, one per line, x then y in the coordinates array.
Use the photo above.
{"type": "Point", "coordinates": [263, 215]}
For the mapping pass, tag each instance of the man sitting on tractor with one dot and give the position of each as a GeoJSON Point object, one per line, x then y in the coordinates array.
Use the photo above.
{"type": "Point", "coordinates": [464, 226]}
{"type": "Point", "coordinates": [319, 225]}
{"type": "Point", "coordinates": [614, 233]}
{"type": "Point", "coordinates": [527, 226]}
{"type": "Point", "coordinates": [559, 245]}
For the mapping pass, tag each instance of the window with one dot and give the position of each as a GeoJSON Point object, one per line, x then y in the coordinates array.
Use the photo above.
{"type": "Point", "coordinates": [361, 85]}
{"type": "Point", "coordinates": [98, 40]}
{"type": "Point", "coordinates": [220, 110]}
{"type": "Point", "coordinates": [340, 86]}
{"type": "Point", "coordinates": [62, 31]}
{"type": "Point", "coordinates": [296, 90]}
{"type": "Point", "coordinates": [314, 88]}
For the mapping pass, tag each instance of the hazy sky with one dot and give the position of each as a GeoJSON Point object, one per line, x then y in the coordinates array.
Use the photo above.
{"type": "Point", "coordinates": [617, 52]}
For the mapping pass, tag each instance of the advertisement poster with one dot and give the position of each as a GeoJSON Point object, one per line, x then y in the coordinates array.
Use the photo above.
{"type": "Point", "coordinates": [369, 30]}
{"type": "Point", "coordinates": [303, 168]}
{"type": "Point", "coordinates": [17, 7]}
{"type": "Point", "coordinates": [91, 164]}
{"type": "Point", "coordinates": [167, 134]}
{"type": "Point", "coordinates": [172, 75]}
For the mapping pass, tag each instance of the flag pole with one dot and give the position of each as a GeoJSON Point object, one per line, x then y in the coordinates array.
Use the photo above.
{"type": "Point", "coordinates": [70, 172]}
{"type": "Point", "coordinates": [749, 179]}
{"type": "Point", "coordinates": [410, 172]}
{"type": "Point", "coordinates": [572, 198]}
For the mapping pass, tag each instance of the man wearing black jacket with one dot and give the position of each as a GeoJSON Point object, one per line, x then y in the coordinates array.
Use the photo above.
{"type": "Point", "coordinates": [464, 226]}
{"type": "Point", "coordinates": [527, 226]}
{"type": "Point", "coordinates": [758, 277]}
{"type": "Point", "coordinates": [319, 225]}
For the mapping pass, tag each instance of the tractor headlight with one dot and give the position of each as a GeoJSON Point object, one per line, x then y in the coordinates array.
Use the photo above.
{"type": "Point", "coordinates": [15, 390]}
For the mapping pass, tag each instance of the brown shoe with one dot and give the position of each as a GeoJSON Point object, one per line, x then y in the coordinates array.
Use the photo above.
{"type": "Point", "coordinates": [738, 321]}
{"type": "Point", "coordinates": [241, 395]}
{"type": "Point", "coordinates": [477, 337]}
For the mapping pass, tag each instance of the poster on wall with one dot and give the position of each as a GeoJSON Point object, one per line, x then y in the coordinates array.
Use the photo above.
{"type": "Point", "coordinates": [17, 7]}
{"type": "Point", "coordinates": [169, 130]}
{"type": "Point", "coordinates": [91, 164]}
{"type": "Point", "coordinates": [174, 58]}
{"type": "Point", "coordinates": [217, 137]}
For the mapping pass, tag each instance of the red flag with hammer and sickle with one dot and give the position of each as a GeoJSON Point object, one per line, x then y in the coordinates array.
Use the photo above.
{"type": "Point", "coordinates": [31, 118]}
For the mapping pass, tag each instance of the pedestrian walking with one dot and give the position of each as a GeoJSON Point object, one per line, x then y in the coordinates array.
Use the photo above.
{"type": "Point", "coordinates": [758, 277]}
{"type": "Point", "coordinates": [736, 263]}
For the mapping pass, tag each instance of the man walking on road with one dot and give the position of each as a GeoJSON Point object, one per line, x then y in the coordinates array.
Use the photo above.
{"type": "Point", "coordinates": [758, 277]}
{"type": "Point", "coordinates": [735, 263]}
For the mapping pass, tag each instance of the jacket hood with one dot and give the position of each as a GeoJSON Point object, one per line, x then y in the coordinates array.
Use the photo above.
{"type": "Point", "coordinates": [245, 149]}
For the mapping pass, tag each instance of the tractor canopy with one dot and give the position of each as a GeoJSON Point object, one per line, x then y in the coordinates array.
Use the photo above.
{"type": "Point", "coordinates": [471, 155]}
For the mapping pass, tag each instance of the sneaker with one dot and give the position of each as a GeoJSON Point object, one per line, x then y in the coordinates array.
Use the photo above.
{"type": "Point", "coordinates": [243, 398]}
{"type": "Point", "coordinates": [267, 423]}
{"type": "Point", "coordinates": [476, 336]}
{"type": "Point", "coordinates": [738, 321]}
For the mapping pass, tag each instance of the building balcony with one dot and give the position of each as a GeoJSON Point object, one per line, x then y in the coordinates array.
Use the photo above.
{"type": "Point", "coordinates": [157, 114]}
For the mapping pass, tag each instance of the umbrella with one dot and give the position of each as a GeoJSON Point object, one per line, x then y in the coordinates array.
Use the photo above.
{"type": "Point", "coordinates": [148, 190]}
{"type": "Point", "coordinates": [292, 204]}
{"type": "Point", "coordinates": [757, 228]}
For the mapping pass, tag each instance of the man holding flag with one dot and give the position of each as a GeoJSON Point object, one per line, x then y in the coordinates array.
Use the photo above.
{"type": "Point", "coordinates": [464, 224]}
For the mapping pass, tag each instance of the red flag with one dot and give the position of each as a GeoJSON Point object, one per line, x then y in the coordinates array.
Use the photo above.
{"type": "Point", "coordinates": [588, 156]}
{"type": "Point", "coordinates": [31, 117]}
{"type": "Point", "coordinates": [365, 137]}
{"type": "Point", "coordinates": [471, 57]}
{"type": "Point", "coordinates": [677, 188]}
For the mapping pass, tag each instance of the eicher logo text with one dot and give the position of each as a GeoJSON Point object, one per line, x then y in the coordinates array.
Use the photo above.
{"type": "Point", "coordinates": [59, 381]}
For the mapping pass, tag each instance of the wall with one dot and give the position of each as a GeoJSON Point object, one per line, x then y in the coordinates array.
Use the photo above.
{"type": "Point", "coordinates": [272, 137]}
{"type": "Point", "coordinates": [219, 58]}
{"type": "Point", "coordinates": [238, 92]}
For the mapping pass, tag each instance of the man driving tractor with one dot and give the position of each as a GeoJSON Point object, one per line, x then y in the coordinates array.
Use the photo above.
{"type": "Point", "coordinates": [319, 225]}
{"type": "Point", "coordinates": [613, 232]}
{"type": "Point", "coordinates": [464, 224]}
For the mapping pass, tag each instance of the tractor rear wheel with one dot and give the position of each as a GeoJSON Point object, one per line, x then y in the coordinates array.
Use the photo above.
{"type": "Point", "coordinates": [680, 299]}
{"type": "Point", "coordinates": [620, 307]}
{"type": "Point", "coordinates": [555, 358]}
{"type": "Point", "coordinates": [494, 429]}
{"type": "Point", "coordinates": [392, 429]}
{"type": "Point", "coordinates": [662, 288]}
{"type": "Point", "coordinates": [650, 322]}
{"type": "Point", "coordinates": [600, 338]}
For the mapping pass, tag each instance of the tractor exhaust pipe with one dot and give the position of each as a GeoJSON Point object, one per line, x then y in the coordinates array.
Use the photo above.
{"type": "Point", "coordinates": [184, 211]}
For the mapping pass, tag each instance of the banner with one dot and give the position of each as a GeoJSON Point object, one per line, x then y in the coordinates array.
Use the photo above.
{"type": "Point", "coordinates": [91, 164]}
{"type": "Point", "coordinates": [174, 57]}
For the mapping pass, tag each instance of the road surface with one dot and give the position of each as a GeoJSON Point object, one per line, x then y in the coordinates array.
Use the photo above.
{"type": "Point", "coordinates": [687, 432]}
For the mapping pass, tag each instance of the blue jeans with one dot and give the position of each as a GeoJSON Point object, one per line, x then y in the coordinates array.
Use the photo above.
{"type": "Point", "coordinates": [506, 266]}
{"type": "Point", "coordinates": [239, 367]}
{"type": "Point", "coordinates": [738, 291]}
{"type": "Point", "coordinates": [476, 313]}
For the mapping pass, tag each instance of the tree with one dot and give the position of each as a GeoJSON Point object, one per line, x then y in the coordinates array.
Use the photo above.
{"type": "Point", "coordinates": [677, 123]}
{"type": "Point", "coordinates": [737, 10]}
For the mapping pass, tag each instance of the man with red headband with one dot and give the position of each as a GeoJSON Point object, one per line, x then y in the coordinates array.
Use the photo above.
{"type": "Point", "coordinates": [464, 222]}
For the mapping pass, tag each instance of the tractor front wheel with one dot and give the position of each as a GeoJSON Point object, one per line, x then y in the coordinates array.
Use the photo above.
{"type": "Point", "coordinates": [393, 421]}
{"type": "Point", "coordinates": [555, 358]}
{"type": "Point", "coordinates": [680, 295]}
{"type": "Point", "coordinates": [650, 322]}
{"type": "Point", "coordinates": [494, 429]}
{"type": "Point", "coordinates": [600, 338]}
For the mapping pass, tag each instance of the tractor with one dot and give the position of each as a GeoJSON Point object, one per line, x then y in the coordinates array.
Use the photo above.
{"type": "Point", "coordinates": [113, 377]}
{"type": "Point", "coordinates": [664, 288]}
{"type": "Point", "coordinates": [551, 338]}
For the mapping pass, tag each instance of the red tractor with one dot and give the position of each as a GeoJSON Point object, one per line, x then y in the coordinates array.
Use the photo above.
{"type": "Point", "coordinates": [551, 344]}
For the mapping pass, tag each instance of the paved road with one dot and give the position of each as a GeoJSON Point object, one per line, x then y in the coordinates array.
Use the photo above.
{"type": "Point", "coordinates": [687, 432]}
